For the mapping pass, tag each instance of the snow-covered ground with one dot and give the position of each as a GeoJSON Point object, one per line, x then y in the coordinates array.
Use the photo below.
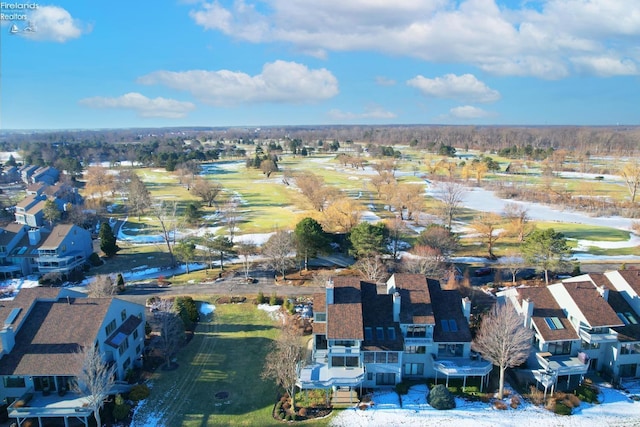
{"type": "Point", "coordinates": [617, 409]}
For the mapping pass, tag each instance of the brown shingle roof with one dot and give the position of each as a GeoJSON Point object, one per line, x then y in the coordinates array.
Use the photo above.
{"type": "Point", "coordinates": [52, 333]}
{"type": "Point", "coordinates": [416, 307]}
{"type": "Point", "coordinates": [56, 236]}
{"type": "Point", "coordinates": [344, 316]}
{"type": "Point", "coordinates": [594, 308]}
{"type": "Point", "coordinates": [377, 312]}
{"type": "Point", "coordinates": [545, 305]}
{"type": "Point", "coordinates": [633, 279]}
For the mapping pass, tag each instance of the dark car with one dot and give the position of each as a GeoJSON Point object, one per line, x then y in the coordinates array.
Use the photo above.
{"type": "Point", "coordinates": [483, 271]}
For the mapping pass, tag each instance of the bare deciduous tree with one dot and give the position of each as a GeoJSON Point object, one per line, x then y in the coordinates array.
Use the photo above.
{"type": "Point", "coordinates": [371, 268]}
{"type": "Point", "coordinates": [101, 287]}
{"type": "Point", "coordinates": [451, 194]}
{"type": "Point", "coordinates": [139, 197]}
{"type": "Point", "coordinates": [171, 328]}
{"type": "Point", "coordinates": [281, 363]}
{"type": "Point", "coordinates": [208, 191]}
{"type": "Point", "coordinates": [503, 340]}
{"type": "Point", "coordinates": [513, 264]}
{"type": "Point", "coordinates": [486, 226]}
{"type": "Point", "coordinates": [518, 217]}
{"type": "Point", "coordinates": [166, 213]}
{"type": "Point", "coordinates": [631, 174]}
{"type": "Point", "coordinates": [245, 250]}
{"type": "Point", "coordinates": [424, 260]}
{"type": "Point", "coordinates": [279, 251]}
{"type": "Point", "coordinates": [95, 379]}
{"type": "Point", "coordinates": [341, 215]}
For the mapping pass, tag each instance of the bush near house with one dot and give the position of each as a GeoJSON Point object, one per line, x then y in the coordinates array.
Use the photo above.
{"type": "Point", "coordinates": [441, 398]}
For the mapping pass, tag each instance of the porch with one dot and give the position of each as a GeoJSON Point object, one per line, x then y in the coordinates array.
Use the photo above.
{"type": "Point", "coordinates": [319, 374]}
{"type": "Point", "coordinates": [463, 367]}
{"type": "Point", "coordinates": [40, 406]}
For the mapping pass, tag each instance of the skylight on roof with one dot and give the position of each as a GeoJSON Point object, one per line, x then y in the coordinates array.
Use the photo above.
{"type": "Point", "coordinates": [453, 326]}
{"type": "Point", "coordinates": [554, 323]}
{"type": "Point", "coordinates": [445, 325]}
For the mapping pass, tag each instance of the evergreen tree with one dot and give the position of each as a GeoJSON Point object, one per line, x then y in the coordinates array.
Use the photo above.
{"type": "Point", "coordinates": [107, 240]}
{"type": "Point", "coordinates": [310, 239]}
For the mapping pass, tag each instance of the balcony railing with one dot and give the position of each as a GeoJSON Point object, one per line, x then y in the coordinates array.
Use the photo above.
{"type": "Point", "coordinates": [416, 341]}
{"type": "Point", "coordinates": [320, 375]}
{"type": "Point", "coordinates": [592, 338]}
{"type": "Point", "coordinates": [562, 364]}
{"type": "Point", "coordinates": [36, 404]}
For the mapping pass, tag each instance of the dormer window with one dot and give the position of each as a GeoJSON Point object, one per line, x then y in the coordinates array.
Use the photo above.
{"type": "Point", "coordinates": [627, 318]}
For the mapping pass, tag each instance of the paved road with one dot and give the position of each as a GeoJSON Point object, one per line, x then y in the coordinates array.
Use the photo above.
{"type": "Point", "coordinates": [231, 286]}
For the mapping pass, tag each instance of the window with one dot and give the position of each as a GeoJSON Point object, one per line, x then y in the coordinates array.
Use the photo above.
{"type": "Point", "coordinates": [391, 333]}
{"type": "Point", "coordinates": [124, 346]}
{"type": "Point", "coordinates": [381, 357]}
{"type": "Point", "coordinates": [343, 343]}
{"type": "Point", "coordinates": [385, 379]}
{"type": "Point", "coordinates": [554, 323]}
{"type": "Point", "coordinates": [126, 364]}
{"type": "Point", "coordinates": [557, 348]}
{"type": "Point", "coordinates": [369, 376]}
{"type": "Point", "coordinates": [414, 368]}
{"type": "Point", "coordinates": [320, 317]}
{"type": "Point", "coordinates": [380, 334]}
{"type": "Point", "coordinates": [628, 370]}
{"type": "Point", "coordinates": [627, 349]}
{"type": "Point", "coordinates": [368, 357]}
{"type": "Point", "coordinates": [415, 349]}
{"type": "Point", "coordinates": [346, 361]}
{"type": "Point", "coordinates": [110, 327]}
{"type": "Point", "coordinates": [450, 350]}
{"type": "Point", "coordinates": [392, 357]}
{"type": "Point", "coordinates": [368, 334]}
{"type": "Point", "coordinates": [137, 349]}
{"type": "Point", "coordinates": [453, 326]}
{"type": "Point", "coordinates": [415, 331]}
{"type": "Point", "coordinates": [14, 382]}
{"type": "Point", "coordinates": [627, 318]}
{"type": "Point", "coordinates": [135, 334]}
{"type": "Point", "coordinates": [123, 315]}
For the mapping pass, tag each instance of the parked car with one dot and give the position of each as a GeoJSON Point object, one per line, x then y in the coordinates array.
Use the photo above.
{"type": "Point", "coordinates": [483, 271]}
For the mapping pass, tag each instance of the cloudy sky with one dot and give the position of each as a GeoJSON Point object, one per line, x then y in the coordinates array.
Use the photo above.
{"type": "Point", "coordinates": [123, 63]}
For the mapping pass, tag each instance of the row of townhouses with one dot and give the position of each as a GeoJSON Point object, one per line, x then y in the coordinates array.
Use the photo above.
{"type": "Point", "coordinates": [415, 329]}
{"type": "Point", "coordinates": [581, 324]}
{"type": "Point", "coordinates": [42, 329]}
{"type": "Point", "coordinates": [363, 338]}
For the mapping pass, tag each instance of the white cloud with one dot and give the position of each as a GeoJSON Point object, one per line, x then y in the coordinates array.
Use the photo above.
{"type": "Point", "coordinates": [53, 23]}
{"type": "Point", "coordinates": [512, 38]}
{"type": "Point", "coordinates": [372, 111]}
{"type": "Point", "coordinates": [145, 107]}
{"type": "Point", "coordinates": [280, 81]}
{"type": "Point", "coordinates": [605, 67]}
{"type": "Point", "coordinates": [468, 112]}
{"type": "Point", "coordinates": [465, 87]}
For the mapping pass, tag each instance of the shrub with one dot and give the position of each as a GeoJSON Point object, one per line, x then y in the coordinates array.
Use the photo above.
{"type": "Point", "coordinates": [402, 388]}
{"type": "Point", "coordinates": [139, 392]}
{"type": "Point", "coordinates": [94, 260]}
{"type": "Point", "coordinates": [273, 300]}
{"type": "Point", "coordinates": [515, 402]}
{"type": "Point", "coordinates": [120, 409]}
{"type": "Point", "coordinates": [562, 409]}
{"type": "Point", "coordinates": [573, 400]}
{"type": "Point", "coordinates": [261, 299]}
{"type": "Point", "coordinates": [536, 396]}
{"type": "Point", "coordinates": [500, 404]}
{"type": "Point", "coordinates": [587, 393]}
{"type": "Point", "coordinates": [441, 398]}
{"type": "Point", "coordinates": [188, 311]}
{"type": "Point", "coordinates": [302, 412]}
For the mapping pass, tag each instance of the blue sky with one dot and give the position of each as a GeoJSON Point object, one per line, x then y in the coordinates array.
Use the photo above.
{"type": "Point", "coordinates": [123, 63]}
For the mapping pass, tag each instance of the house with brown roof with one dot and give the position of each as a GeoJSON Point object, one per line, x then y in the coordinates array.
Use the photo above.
{"type": "Point", "coordinates": [30, 211]}
{"type": "Point", "coordinates": [584, 323]}
{"type": "Point", "coordinates": [43, 328]}
{"type": "Point", "coordinates": [362, 338]}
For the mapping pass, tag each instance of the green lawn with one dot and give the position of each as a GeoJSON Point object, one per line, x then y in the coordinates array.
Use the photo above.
{"type": "Point", "coordinates": [225, 355]}
{"type": "Point", "coordinates": [586, 232]}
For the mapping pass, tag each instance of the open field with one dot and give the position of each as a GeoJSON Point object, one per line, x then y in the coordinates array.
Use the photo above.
{"type": "Point", "coordinates": [225, 355]}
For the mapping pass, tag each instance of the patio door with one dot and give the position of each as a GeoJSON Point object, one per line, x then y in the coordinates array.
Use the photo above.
{"type": "Point", "coordinates": [44, 383]}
